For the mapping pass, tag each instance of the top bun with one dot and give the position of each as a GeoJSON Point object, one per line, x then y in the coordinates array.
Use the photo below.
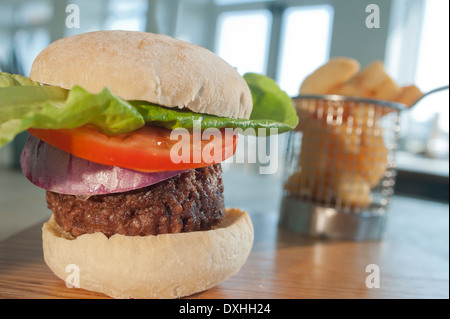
{"type": "Point", "coordinates": [148, 67]}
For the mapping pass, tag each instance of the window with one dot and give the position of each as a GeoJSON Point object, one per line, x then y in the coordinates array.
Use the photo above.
{"type": "Point", "coordinates": [425, 129]}
{"type": "Point", "coordinates": [242, 39]}
{"type": "Point", "coordinates": [126, 15]}
{"type": "Point", "coordinates": [27, 44]}
{"type": "Point", "coordinates": [299, 32]}
{"type": "Point", "coordinates": [432, 72]}
{"type": "Point", "coordinates": [306, 37]}
{"type": "Point", "coordinates": [255, 36]}
{"type": "Point", "coordinates": [25, 33]}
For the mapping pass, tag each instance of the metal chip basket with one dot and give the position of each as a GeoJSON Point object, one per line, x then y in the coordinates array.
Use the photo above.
{"type": "Point", "coordinates": [340, 168]}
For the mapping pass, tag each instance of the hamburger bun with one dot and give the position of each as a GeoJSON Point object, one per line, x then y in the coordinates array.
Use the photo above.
{"type": "Point", "coordinates": [162, 266]}
{"type": "Point", "coordinates": [148, 67]}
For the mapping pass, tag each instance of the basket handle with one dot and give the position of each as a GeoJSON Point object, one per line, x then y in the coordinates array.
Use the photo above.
{"type": "Point", "coordinates": [438, 89]}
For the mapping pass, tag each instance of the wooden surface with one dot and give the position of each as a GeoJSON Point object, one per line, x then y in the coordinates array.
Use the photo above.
{"type": "Point", "coordinates": [413, 262]}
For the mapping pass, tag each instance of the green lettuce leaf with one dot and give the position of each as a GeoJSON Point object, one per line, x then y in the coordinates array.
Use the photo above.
{"type": "Point", "coordinates": [272, 109]}
{"type": "Point", "coordinates": [49, 107]}
{"type": "Point", "coordinates": [7, 79]}
{"type": "Point", "coordinates": [25, 104]}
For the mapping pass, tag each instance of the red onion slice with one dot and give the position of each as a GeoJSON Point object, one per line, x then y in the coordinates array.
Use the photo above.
{"type": "Point", "coordinates": [50, 168]}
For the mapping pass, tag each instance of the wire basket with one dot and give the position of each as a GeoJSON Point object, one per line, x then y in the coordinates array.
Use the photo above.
{"type": "Point", "coordinates": [340, 167]}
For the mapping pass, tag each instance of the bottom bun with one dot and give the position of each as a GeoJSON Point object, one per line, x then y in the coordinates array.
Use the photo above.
{"type": "Point", "coordinates": [162, 266]}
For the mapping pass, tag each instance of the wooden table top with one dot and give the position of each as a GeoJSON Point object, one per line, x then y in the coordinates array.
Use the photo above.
{"type": "Point", "coordinates": [413, 262]}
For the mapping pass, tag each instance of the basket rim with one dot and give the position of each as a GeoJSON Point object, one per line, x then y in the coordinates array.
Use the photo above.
{"type": "Point", "coordinates": [341, 98]}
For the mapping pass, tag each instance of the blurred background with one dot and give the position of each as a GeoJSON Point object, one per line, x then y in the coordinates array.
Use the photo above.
{"type": "Point", "coordinates": [284, 39]}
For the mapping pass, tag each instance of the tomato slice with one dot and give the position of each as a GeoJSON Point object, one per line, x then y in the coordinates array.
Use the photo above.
{"type": "Point", "coordinates": [148, 149]}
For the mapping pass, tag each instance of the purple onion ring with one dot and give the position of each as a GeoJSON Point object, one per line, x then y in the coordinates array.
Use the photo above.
{"type": "Point", "coordinates": [52, 169]}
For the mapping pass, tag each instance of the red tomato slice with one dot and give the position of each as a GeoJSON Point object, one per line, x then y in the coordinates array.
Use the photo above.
{"type": "Point", "coordinates": [148, 149]}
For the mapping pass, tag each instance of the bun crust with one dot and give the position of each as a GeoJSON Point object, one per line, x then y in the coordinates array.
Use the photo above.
{"type": "Point", "coordinates": [162, 266]}
{"type": "Point", "coordinates": [148, 67]}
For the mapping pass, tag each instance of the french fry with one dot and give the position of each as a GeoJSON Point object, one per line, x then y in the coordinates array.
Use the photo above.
{"type": "Point", "coordinates": [309, 110]}
{"type": "Point", "coordinates": [358, 151]}
{"type": "Point", "coordinates": [306, 110]}
{"type": "Point", "coordinates": [371, 82]}
{"type": "Point", "coordinates": [330, 75]}
{"type": "Point", "coordinates": [347, 90]}
{"type": "Point", "coordinates": [372, 160]}
{"type": "Point", "coordinates": [374, 83]}
{"type": "Point", "coordinates": [408, 95]}
{"type": "Point", "coordinates": [352, 190]}
{"type": "Point", "coordinates": [387, 91]}
{"type": "Point", "coordinates": [329, 152]}
{"type": "Point", "coordinates": [317, 161]}
{"type": "Point", "coordinates": [343, 155]}
{"type": "Point", "coordinates": [370, 77]}
{"type": "Point", "coordinates": [365, 115]}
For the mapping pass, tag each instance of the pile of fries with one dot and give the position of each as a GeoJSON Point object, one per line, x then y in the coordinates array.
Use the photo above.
{"type": "Point", "coordinates": [343, 154]}
{"type": "Point", "coordinates": [343, 76]}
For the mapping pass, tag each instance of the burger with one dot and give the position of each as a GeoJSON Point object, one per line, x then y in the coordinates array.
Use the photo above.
{"type": "Point", "coordinates": [136, 196]}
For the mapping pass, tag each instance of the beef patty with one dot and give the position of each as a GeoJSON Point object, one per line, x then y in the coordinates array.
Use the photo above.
{"type": "Point", "coordinates": [187, 202]}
